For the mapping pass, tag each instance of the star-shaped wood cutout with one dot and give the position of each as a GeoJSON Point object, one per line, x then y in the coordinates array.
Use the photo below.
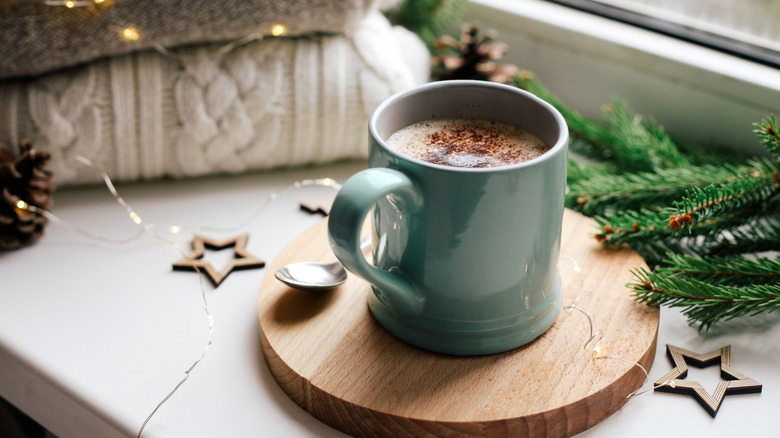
{"type": "Point", "coordinates": [195, 262]}
{"type": "Point", "coordinates": [318, 205]}
{"type": "Point", "coordinates": [735, 383]}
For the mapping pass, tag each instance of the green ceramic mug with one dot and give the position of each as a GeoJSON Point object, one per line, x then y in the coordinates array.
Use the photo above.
{"type": "Point", "coordinates": [465, 260]}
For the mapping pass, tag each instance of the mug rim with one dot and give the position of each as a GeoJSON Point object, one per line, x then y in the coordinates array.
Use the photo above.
{"type": "Point", "coordinates": [561, 142]}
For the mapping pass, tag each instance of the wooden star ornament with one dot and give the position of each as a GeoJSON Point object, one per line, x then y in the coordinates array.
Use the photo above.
{"type": "Point", "coordinates": [195, 262]}
{"type": "Point", "coordinates": [318, 205]}
{"type": "Point", "coordinates": [735, 383]}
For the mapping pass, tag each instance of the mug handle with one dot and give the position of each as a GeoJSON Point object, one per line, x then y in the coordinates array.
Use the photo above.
{"type": "Point", "coordinates": [353, 202]}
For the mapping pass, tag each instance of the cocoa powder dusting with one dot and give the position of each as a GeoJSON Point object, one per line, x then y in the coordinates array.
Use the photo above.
{"type": "Point", "coordinates": [467, 143]}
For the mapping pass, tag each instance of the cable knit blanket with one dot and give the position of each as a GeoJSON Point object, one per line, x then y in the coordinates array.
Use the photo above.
{"type": "Point", "coordinates": [274, 102]}
{"type": "Point", "coordinates": [39, 38]}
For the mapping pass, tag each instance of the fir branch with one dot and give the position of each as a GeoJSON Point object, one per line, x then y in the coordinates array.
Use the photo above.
{"type": "Point", "coordinates": [579, 125]}
{"type": "Point", "coordinates": [640, 227]}
{"type": "Point", "coordinates": [704, 211]}
{"type": "Point", "coordinates": [598, 193]}
{"type": "Point", "coordinates": [634, 143]}
{"type": "Point", "coordinates": [640, 144]}
{"type": "Point", "coordinates": [583, 148]}
{"type": "Point", "coordinates": [579, 170]}
{"type": "Point", "coordinates": [760, 234]}
{"type": "Point", "coordinates": [702, 302]}
{"type": "Point", "coordinates": [428, 18]}
{"type": "Point", "coordinates": [642, 188]}
{"type": "Point", "coordinates": [655, 251]}
{"type": "Point", "coordinates": [767, 132]}
{"type": "Point", "coordinates": [745, 195]}
{"type": "Point", "coordinates": [723, 271]}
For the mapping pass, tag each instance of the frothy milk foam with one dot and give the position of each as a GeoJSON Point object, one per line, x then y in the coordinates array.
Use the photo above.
{"type": "Point", "coordinates": [467, 143]}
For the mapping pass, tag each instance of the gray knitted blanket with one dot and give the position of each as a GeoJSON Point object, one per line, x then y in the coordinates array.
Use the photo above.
{"type": "Point", "coordinates": [36, 38]}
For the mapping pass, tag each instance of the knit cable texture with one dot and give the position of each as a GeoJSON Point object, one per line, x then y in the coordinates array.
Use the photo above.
{"type": "Point", "coordinates": [270, 103]}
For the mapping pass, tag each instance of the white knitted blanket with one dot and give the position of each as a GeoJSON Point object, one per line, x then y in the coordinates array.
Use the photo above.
{"type": "Point", "coordinates": [275, 102]}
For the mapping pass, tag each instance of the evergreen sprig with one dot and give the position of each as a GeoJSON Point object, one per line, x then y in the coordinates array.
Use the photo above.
{"type": "Point", "coordinates": [757, 236]}
{"type": "Point", "coordinates": [598, 193]}
{"type": "Point", "coordinates": [639, 144]}
{"type": "Point", "coordinates": [742, 197]}
{"type": "Point", "coordinates": [579, 125]}
{"type": "Point", "coordinates": [707, 222]}
{"type": "Point", "coordinates": [723, 270]}
{"type": "Point", "coordinates": [768, 135]}
{"type": "Point", "coordinates": [701, 301]}
{"type": "Point", "coordinates": [428, 18]}
{"type": "Point", "coordinates": [629, 141]}
{"type": "Point", "coordinates": [679, 207]}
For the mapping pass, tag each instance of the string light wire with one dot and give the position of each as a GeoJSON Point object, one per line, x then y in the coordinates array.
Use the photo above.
{"type": "Point", "coordinates": [162, 50]}
{"type": "Point", "coordinates": [130, 33]}
{"type": "Point", "coordinates": [209, 341]}
{"type": "Point", "coordinates": [322, 182]}
{"type": "Point", "coordinates": [150, 229]}
{"type": "Point", "coordinates": [591, 344]}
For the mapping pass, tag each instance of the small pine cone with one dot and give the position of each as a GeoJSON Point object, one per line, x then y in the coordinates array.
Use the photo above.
{"type": "Point", "coordinates": [23, 182]}
{"type": "Point", "coordinates": [472, 57]}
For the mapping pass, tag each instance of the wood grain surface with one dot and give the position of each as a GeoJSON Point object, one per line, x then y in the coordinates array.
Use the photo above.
{"type": "Point", "coordinates": [334, 360]}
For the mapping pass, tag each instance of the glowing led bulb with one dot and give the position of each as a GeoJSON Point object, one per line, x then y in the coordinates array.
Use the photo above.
{"type": "Point", "coordinates": [69, 4]}
{"type": "Point", "coordinates": [130, 33]}
{"type": "Point", "coordinates": [134, 216]}
{"type": "Point", "coordinates": [98, 1]}
{"type": "Point", "coordinates": [278, 30]}
{"type": "Point", "coordinates": [21, 205]}
{"type": "Point", "coordinates": [175, 229]}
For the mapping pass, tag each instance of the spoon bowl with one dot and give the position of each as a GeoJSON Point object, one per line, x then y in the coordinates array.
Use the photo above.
{"type": "Point", "coordinates": [316, 275]}
{"type": "Point", "coordinates": [312, 275]}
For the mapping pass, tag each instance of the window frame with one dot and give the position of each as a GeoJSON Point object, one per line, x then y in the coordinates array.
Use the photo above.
{"type": "Point", "coordinates": [702, 96]}
{"type": "Point", "coordinates": [694, 35]}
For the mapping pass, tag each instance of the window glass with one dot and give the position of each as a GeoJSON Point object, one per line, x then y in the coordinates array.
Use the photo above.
{"type": "Point", "coordinates": [746, 28]}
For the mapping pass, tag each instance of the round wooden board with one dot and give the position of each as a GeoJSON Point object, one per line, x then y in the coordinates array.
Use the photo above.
{"type": "Point", "coordinates": [334, 360]}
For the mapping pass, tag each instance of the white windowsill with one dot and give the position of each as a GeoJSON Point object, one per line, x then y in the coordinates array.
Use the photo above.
{"type": "Point", "coordinates": [700, 95]}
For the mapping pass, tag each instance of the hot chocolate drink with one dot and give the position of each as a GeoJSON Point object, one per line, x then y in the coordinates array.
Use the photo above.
{"type": "Point", "coordinates": [467, 143]}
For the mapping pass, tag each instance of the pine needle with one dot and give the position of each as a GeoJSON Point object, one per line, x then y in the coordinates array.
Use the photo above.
{"type": "Point", "coordinates": [601, 192]}
{"type": "Point", "coordinates": [746, 195]}
{"type": "Point", "coordinates": [702, 302]}
{"type": "Point", "coordinates": [428, 18]}
{"type": "Point", "coordinates": [723, 271]}
{"type": "Point", "coordinates": [769, 137]}
{"type": "Point", "coordinates": [579, 125]}
{"type": "Point", "coordinates": [640, 144]}
{"type": "Point", "coordinates": [760, 234]}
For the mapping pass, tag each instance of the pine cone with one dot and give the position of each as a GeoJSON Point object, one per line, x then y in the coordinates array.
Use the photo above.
{"type": "Point", "coordinates": [472, 57]}
{"type": "Point", "coordinates": [23, 182]}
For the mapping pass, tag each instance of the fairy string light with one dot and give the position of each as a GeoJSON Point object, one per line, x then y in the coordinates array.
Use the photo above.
{"type": "Point", "coordinates": [591, 346]}
{"type": "Point", "coordinates": [148, 228]}
{"type": "Point", "coordinates": [131, 33]}
{"type": "Point", "coordinates": [70, 4]}
{"type": "Point", "coordinates": [593, 343]}
{"type": "Point", "coordinates": [322, 182]}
